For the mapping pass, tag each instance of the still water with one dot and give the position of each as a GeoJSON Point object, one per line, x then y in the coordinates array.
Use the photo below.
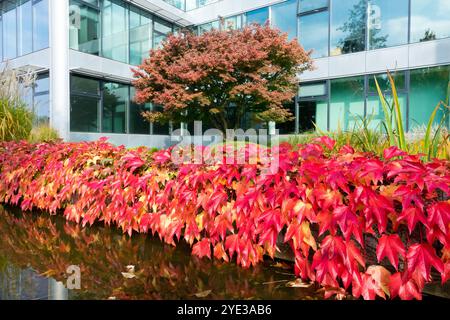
{"type": "Point", "coordinates": [37, 249]}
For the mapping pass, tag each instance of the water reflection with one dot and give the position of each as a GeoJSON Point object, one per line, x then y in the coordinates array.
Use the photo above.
{"type": "Point", "coordinates": [35, 251]}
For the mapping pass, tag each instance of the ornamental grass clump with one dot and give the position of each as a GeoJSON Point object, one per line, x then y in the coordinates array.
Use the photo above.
{"type": "Point", "coordinates": [357, 223]}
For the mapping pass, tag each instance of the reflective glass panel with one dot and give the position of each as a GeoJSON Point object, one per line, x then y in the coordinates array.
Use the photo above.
{"type": "Point", "coordinates": [346, 103]}
{"type": "Point", "coordinates": [348, 26]}
{"type": "Point", "coordinates": [115, 30]}
{"type": "Point", "coordinates": [428, 87]}
{"type": "Point", "coordinates": [115, 99]}
{"type": "Point", "coordinates": [25, 31]}
{"type": "Point", "coordinates": [430, 20]}
{"type": "Point", "coordinates": [84, 28]}
{"type": "Point", "coordinates": [388, 23]}
{"type": "Point", "coordinates": [313, 33]}
{"type": "Point", "coordinates": [283, 17]}
{"type": "Point", "coordinates": [259, 16]}
{"type": "Point", "coordinates": [140, 35]}
{"type": "Point", "coordinates": [40, 24]}
{"type": "Point", "coordinates": [309, 5]}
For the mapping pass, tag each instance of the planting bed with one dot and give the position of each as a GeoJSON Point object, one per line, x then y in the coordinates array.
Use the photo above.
{"type": "Point", "coordinates": [357, 224]}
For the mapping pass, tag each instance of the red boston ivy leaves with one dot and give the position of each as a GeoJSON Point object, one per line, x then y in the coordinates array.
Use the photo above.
{"type": "Point", "coordinates": [390, 246]}
{"type": "Point", "coordinates": [331, 208]}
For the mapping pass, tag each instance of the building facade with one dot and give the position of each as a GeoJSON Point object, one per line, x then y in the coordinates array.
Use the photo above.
{"type": "Point", "coordinates": [83, 52]}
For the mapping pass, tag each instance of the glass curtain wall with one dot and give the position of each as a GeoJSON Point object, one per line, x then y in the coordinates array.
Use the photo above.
{"type": "Point", "coordinates": [115, 29]}
{"type": "Point", "coordinates": [108, 107]}
{"type": "Point", "coordinates": [23, 27]}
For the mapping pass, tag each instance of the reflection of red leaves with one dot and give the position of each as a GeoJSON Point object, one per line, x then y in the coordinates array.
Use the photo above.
{"type": "Point", "coordinates": [390, 246]}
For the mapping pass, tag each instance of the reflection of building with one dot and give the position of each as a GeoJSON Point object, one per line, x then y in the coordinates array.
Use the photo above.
{"type": "Point", "coordinates": [83, 51]}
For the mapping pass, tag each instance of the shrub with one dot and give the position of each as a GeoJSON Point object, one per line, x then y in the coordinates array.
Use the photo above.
{"type": "Point", "coordinates": [43, 133]}
{"type": "Point", "coordinates": [331, 206]}
{"type": "Point", "coordinates": [16, 119]}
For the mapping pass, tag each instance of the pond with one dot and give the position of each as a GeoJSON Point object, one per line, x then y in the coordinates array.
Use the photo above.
{"type": "Point", "coordinates": [36, 251]}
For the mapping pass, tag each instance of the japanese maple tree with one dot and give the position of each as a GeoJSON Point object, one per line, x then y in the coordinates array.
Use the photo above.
{"type": "Point", "coordinates": [220, 75]}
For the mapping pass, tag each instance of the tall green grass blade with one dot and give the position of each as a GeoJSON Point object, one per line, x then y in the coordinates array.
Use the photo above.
{"type": "Point", "coordinates": [388, 120]}
{"type": "Point", "coordinates": [398, 115]}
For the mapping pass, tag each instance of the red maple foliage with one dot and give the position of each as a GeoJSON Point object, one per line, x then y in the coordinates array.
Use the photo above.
{"type": "Point", "coordinates": [205, 77]}
{"type": "Point", "coordinates": [330, 208]}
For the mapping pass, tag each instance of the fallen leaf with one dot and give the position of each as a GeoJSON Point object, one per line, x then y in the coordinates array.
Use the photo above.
{"type": "Point", "coordinates": [203, 294]}
{"type": "Point", "coordinates": [298, 283]}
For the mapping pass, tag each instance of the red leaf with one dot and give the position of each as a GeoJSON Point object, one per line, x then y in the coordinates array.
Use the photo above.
{"type": "Point", "coordinates": [406, 291]}
{"type": "Point", "coordinates": [326, 141]}
{"type": "Point", "coordinates": [202, 248]}
{"type": "Point", "coordinates": [390, 246]}
{"type": "Point", "coordinates": [439, 215]}
{"type": "Point", "coordinates": [412, 216]}
{"type": "Point", "coordinates": [392, 152]}
{"type": "Point", "coordinates": [421, 257]}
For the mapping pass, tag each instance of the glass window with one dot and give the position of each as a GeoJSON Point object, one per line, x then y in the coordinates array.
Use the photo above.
{"type": "Point", "coordinates": [388, 23]}
{"type": "Point", "coordinates": [40, 24]}
{"type": "Point", "coordinates": [283, 17]}
{"type": "Point", "coordinates": [312, 113]}
{"type": "Point", "coordinates": [25, 32]}
{"type": "Point", "coordinates": [161, 29]}
{"type": "Point", "coordinates": [233, 23]}
{"type": "Point", "coordinates": [41, 102]}
{"type": "Point", "coordinates": [259, 16]}
{"type": "Point", "coordinates": [348, 26]}
{"type": "Point", "coordinates": [9, 32]}
{"type": "Point", "coordinates": [375, 110]}
{"type": "Point", "coordinates": [208, 26]}
{"type": "Point", "coordinates": [138, 124]}
{"type": "Point", "coordinates": [312, 90]}
{"type": "Point", "coordinates": [84, 104]}
{"type": "Point", "coordinates": [84, 113]}
{"type": "Point", "coordinates": [430, 20]}
{"type": "Point", "coordinates": [427, 88]}
{"type": "Point", "coordinates": [84, 28]}
{"type": "Point", "coordinates": [115, 99]}
{"type": "Point", "coordinates": [313, 33]}
{"type": "Point", "coordinates": [384, 83]}
{"type": "Point", "coordinates": [84, 85]}
{"type": "Point", "coordinates": [115, 30]}
{"type": "Point", "coordinates": [310, 5]}
{"type": "Point", "coordinates": [140, 35]}
{"type": "Point", "coordinates": [347, 101]}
